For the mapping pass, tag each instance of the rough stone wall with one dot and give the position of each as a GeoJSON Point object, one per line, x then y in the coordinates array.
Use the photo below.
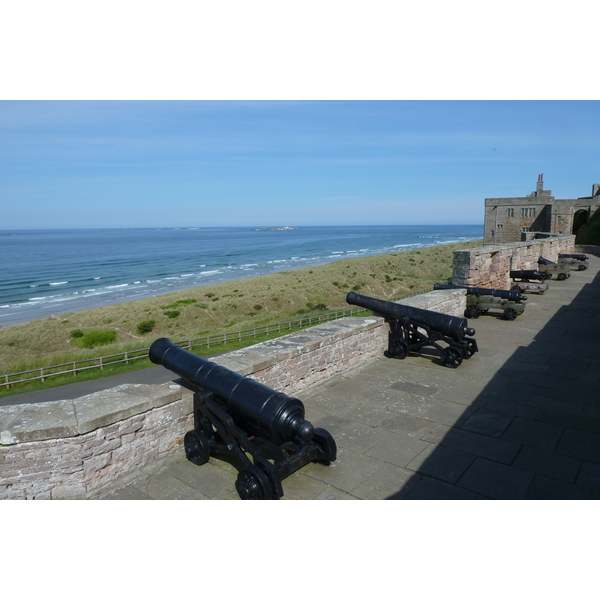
{"type": "Point", "coordinates": [490, 266]}
{"type": "Point", "coordinates": [74, 467]}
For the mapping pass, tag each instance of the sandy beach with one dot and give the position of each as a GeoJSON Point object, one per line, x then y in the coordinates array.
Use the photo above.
{"type": "Point", "coordinates": [230, 306]}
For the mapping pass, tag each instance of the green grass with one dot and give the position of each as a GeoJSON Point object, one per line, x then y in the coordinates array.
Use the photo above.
{"type": "Point", "coordinates": [142, 363]}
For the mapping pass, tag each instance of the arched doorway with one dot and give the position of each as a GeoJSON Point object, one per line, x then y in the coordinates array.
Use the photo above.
{"type": "Point", "coordinates": [580, 218]}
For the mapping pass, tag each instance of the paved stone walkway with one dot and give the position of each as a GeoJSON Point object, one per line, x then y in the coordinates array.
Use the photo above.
{"type": "Point", "coordinates": [519, 420]}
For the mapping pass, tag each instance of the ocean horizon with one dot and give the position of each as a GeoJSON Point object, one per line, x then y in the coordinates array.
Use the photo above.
{"type": "Point", "coordinates": [47, 272]}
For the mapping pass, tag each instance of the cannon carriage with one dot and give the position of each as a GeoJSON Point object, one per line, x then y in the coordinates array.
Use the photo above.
{"type": "Point", "coordinates": [548, 268]}
{"type": "Point", "coordinates": [262, 432]}
{"type": "Point", "coordinates": [481, 300]}
{"type": "Point", "coordinates": [414, 329]}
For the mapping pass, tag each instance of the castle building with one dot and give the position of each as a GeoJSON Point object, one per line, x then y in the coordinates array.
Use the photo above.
{"type": "Point", "coordinates": [518, 219]}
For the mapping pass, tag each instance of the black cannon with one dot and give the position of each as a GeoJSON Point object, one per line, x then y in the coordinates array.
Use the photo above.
{"type": "Point", "coordinates": [511, 295]}
{"type": "Point", "coordinates": [412, 329]}
{"type": "Point", "coordinates": [527, 275]}
{"type": "Point", "coordinates": [529, 281]}
{"type": "Point", "coordinates": [482, 300]}
{"type": "Point", "coordinates": [236, 416]}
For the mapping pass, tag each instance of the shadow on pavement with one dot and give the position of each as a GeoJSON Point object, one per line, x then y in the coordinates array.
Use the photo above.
{"type": "Point", "coordinates": [534, 431]}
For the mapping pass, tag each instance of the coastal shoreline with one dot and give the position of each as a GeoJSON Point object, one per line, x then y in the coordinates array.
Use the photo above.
{"type": "Point", "coordinates": [48, 274]}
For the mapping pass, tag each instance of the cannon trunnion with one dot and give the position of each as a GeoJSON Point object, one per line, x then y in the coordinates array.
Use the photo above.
{"type": "Point", "coordinates": [237, 418]}
{"type": "Point", "coordinates": [412, 329]}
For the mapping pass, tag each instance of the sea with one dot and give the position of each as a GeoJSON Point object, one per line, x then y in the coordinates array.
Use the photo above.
{"type": "Point", "coordinates": [50, 272]}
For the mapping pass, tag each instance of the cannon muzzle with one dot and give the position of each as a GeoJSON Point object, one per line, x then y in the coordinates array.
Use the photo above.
{"type": "Point", "coordinates": [279, 417]}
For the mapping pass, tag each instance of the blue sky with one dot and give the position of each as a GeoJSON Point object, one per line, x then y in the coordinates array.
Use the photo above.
{"type": "Point", "coordinates": [217, 163]}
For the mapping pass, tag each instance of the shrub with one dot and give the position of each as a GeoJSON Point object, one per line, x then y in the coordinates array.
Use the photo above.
{"type": "Point", "coordinates": [76, 333]}
{"type": "Point", "coordinates": [96, 337]}
{"type": "Point", "coordinates": [145, 327]}
{"type": "Point", "coordinates": [257, 307]}
{"type": "Point", "coordinates": [172, 314]}
{"type": "Point", "coordinates": [178, 303]}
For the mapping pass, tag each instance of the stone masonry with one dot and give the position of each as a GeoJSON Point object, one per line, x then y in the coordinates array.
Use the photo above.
{"type": "Point", "coordinates": [490, 266]}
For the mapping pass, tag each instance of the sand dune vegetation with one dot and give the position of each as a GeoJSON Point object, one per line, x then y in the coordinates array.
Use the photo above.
{"type": "Point", "coordinates": [225, 307]}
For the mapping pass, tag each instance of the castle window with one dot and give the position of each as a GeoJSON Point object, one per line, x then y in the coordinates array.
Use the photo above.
{"type": "Point", "coordinates": [524, 212]}
{"type": "Point", "coordinates": [525, 229]}
{"type": "Point", "coordinates": [510, 212]}
{"type": "Point", "coordinates": [532, 212]}
{"type": "Point", "coordinates": [500, 226]}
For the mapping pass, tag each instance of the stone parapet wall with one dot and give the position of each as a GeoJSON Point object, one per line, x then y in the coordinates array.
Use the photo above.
{"type": "Point", "coordinates": [595, 250]}
{"type": "Point", "coordinates": [490, 266]}
{"type": "Point", "coordinates": [71, 467]}
{"type": "Point", "coordinates": [75, 448]}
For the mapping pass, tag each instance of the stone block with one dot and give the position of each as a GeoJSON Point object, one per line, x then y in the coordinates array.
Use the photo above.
{"type": "Point", "coordinates": [109, 406]}
{"type": "Point", "coordinates": [42, 421]}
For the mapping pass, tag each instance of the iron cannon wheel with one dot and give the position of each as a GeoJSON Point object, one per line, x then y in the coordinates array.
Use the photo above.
{"type": "Point", "coordinates": [561, 276]}
{"type": "Point", "coordinates": [253, 484]}
{"type": "Point", "coordinates": [582, 267]}
{"type": "Point", "coordinates": [510, 314]}
{"type": "Point", "coordinates": [399, 349]}
{"type": "Point", "coordinates": [197, 447]}
{"type": "Point", "coordinates": [452, 357]}
{"type": "Point", "coordinates": [326, 442]}
{"type": "Point", "coordinates": [472, 312]}
{"type": "Point", "coordinates": [469, 348]}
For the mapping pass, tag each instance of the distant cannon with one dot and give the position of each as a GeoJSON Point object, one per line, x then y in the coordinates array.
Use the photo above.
{"type": "Point", "coordinates": [412, 329]}
{"type": "Point", "coordinates": [548, 268]}
{"type": "Point", "coordinates": [529, 281]}
{"type": "Point", "coordinates": [236, 416]}
{"type": "Point", "coordinates": [581, 257]}
{"type": "Point", "coordinates": [482, 300]}
{"type": "Point", "coordinates": [574, 260]}
{"type": "Point", "coordinates": [531, 275]}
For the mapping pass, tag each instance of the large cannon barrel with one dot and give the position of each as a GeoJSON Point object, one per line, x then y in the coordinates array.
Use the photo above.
{"type": "Point", "coordinates": [527, 274]}
{"type": "Point", "coordinates": [274, 414]}
{"type": "Point", "coordinates": [575, 256]}
{"type": "Point", "coordinates": [454, 327]}
{"type": "Point", "coordinates": [545, 261]}
{"type": "Point", "coordinates": [510, 295]}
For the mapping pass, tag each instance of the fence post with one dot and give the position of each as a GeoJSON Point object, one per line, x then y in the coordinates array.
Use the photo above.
{"type": "Point", "coordinates": [42, 374]}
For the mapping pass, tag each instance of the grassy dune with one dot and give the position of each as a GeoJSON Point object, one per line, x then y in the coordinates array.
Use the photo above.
{"type": "Point", "coordinates": [223, 307]}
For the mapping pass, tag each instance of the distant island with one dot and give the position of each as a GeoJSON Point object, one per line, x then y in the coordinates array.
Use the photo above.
{"type": "Point", "coordinates": [276, 229]}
